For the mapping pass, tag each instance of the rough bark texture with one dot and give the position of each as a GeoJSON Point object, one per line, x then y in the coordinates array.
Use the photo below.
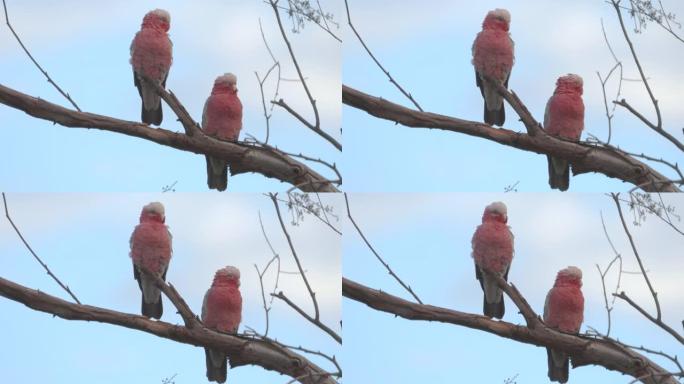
{"type": "Point", "coordinates": [583, 157]}
{"type": "Point", "coordinates": [241, 351]}
{"type": "Point", "coordinates": [242, 158]}
{"type": "Point", "coordinates": [583, 351]}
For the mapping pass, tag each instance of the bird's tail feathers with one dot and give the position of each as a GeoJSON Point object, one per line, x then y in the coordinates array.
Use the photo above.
{"type": "Point", "coordinates": [558, 366]}
{"type": "Point", "coordinates": [559, 173]}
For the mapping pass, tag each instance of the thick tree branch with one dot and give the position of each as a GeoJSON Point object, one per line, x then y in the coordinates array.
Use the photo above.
{"type": "Point", "coordinates": [243, 158]}
{"type": "Point", "coordinates": [584, 351]}
{"type": "Point", "coordinates": [241, 351]}
{"type": "Point", "coordinates": [583, 157]}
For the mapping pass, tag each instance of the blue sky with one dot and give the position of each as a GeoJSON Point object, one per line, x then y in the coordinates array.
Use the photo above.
{"type": "Point", "coordinates": [426, 46]}
{"type": "Point", "coordinates": [85, 48]}
{"type": "Point", "coordinates": [84, 240]}
{"type": "Point", "coordinates": [426, 240]}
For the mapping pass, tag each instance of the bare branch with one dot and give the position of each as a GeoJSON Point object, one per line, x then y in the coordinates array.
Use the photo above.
{"type": "Point", "coordinates": [531, 318]}
{"type": "Point", "coordinates": [49, 79]}
{"type": "Point", "coordinates": [368, 244]}
{"type": "Point", "coordinates": [656, 321]}
{"type": "Point", "coordinates": [280, 295]}
{"type": "Point", "coordinates": [391, 79]}
{"type": "Point", "coordinates": [26, 244]}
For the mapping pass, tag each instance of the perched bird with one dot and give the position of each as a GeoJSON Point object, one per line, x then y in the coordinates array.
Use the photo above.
{"type": "Point", "coordinates": [222, 118]}
{"type": "Point", "coordinates": [564, 117]}
{"type": "Point", "coordinates": [151, 56]}
{"type": "Point", "coordinates": [564, 311]}
{"type": "Point", "coordinates": [493, 57]}
{"type": "Point", "coordinates": [151, 250]}
{"type": "Point", "coordinates": [493, 252]}
{"type": "Point", "coordinates": [222, 311]}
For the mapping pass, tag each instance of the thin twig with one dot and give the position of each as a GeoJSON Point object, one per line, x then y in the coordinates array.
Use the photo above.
{"type": "Point", "coordinates": [368, 244]}
{"type": "Point", "coordinates": [315, 321]}
{"type": "Point", "coordinates": [391, 79]}
{"type": "Point", "coordinates": [325, 27]}
{"type": "Point", "coordinates": [49, 272]}
{"type": "Point", "coordinates": [49, 79]}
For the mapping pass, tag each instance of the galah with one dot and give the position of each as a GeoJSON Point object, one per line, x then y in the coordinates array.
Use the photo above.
{"type": "Point", "coordinates": [564, 311]}
{"type": "Point", "coordinates": [151, 250]}
{"type": "Point", "coordinates": [151, 52]}
{"type": "Point", "coordinates": [564, 117]}
{"type": "Point", "coordinates": [493, 252]}
{"type": "Point", "coordinates": [222, 311]}
{"type": "Point", "coordinates": [493, 57]}
{"type": "Point", "coordinates": [222, 119]}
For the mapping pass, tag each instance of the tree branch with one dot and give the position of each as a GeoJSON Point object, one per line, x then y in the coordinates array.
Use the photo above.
{"type": "Point", "coordinates": [47, 76]}
{"type": "Point", "coordinates": [40, 261]}
{"type": "Point", "coordinates": [243, 158]}
{"type": "Point", "coordinates": [583, 156]}
{"type": "Point", "coordinates": [241, 351]}
{"type": "Point", "coordinates": [584, 351]}
{"type": "Point", "coordinates": [377, 255]}
{"type": "Point", "coordinates": [316, 320]}
{"type": "Point", "coordinates": [386, 72]}
{"type": "Point", "coordinates": [658, 127]}
{"type": "Point", "coordinates": [316, 126]}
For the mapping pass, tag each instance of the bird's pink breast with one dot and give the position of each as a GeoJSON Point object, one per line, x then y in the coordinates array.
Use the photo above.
{"type": "Point", "coordinates": [493, 246]}
{"type": "Point", "coordinates": [224, 116]}
{"type": "Point", "coordinates": [223, 308]}
{"type": "Point", "coordinates": [565, 116]}
{"type": "Point", "coordinates": [565, 309]}
{"type": "Point", "coordinates": [493, 53]}
{"type": "Point", "coordinates": [151, 246]}
{"type": "Point", "coordinates": [151, 53]}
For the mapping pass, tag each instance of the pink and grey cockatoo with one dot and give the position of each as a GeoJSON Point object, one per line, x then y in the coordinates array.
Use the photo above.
{"type": "Point", "coordinates": [151, 52]}
{"type": "Point", "coordinates": [564, 117]}
{"type": "Point", "coordinates": [222, 119]}
{"type": "Point", "coordinates": [564, 311]}
{"type": "Point", "coordinates": [222, 311]}
{"type": "Point", "coordinates": [493, 57]}
{"type": "Point", "coordinates": [493, 252]}
{"type": "Point", "coordinates": [151, 250]}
